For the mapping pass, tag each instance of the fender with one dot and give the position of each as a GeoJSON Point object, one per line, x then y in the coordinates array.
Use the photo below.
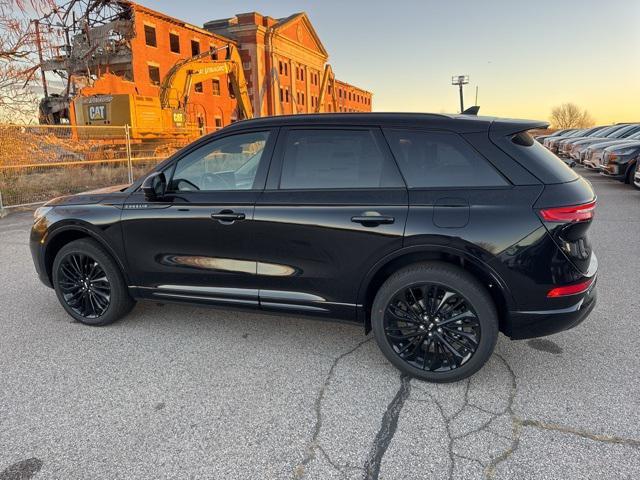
{"type": "Point", "coordinates": [91, 231]}
{"type": "Point", "coordinates": [434, 248]}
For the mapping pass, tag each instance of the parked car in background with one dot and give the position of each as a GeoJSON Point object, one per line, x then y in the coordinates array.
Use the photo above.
{"type": "Point", "coordinates": [596, 132]}
{"type": "Point", "coordinates": [541, 138]}
{"type": "Point", "coordinates": [592, 154]}
{"type": "Point", "coordinates": [636, 176]}
{"type": "Point", "coordinates": [552, 143]}
{"type": "Point", "coordinates": [619, 161]}
{"type": "Point", "coordinates": [573, 149]}
{"type": "Point", "coordinates": [434, 231]}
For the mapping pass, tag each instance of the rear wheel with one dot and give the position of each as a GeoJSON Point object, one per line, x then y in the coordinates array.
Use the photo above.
{"type": "Point", "coordinates": [435, 322]}
{"type": "Point", "coordinates": [89, 284]}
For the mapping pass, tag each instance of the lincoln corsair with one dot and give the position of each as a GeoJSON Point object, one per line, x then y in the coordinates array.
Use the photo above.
{"type": "Point", "coordinates": [436, 232]}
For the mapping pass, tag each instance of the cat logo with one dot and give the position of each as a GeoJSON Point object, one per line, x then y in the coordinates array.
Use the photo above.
{"type": "Point", "coordinates": [97, 112]}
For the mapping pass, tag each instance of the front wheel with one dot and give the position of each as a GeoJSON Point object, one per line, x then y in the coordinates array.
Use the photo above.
{"type": "Point", "coordinates": [89, 284]}
{"type": "Point", "coordinates": [435, 322]}
{"type": "Point", "coordinates": [634, 178]}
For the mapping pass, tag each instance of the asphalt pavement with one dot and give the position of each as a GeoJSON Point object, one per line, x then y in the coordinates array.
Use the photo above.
{"type": "Point", "coordinates": [184, 392]}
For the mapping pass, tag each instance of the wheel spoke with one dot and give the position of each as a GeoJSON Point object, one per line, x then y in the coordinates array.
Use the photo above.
{"type": "Point", "coordinates": [461, 316]}
{"type": "Point", "coordinates": [447, 295]}
{"type": "Point", "coordinates": [402, 315]}
{"type": "Point", "coordinates": [449, 347]}
{"type": "Point", "coordinates": [406, 336]}
{"type": "Point", "coordinates": [415, 300]}
{"type": "Point", "coordinates": [468, 336]}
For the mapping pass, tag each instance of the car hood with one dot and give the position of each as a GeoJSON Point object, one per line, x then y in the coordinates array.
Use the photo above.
{"type": "Point", "coordinates": [590, 141]}
{"type": "Point", "coordinates": [609, 143]}
{"type": "Point", "coordinates": [632, 144]}
{"type": "Point", "coordinates": [89, 197]}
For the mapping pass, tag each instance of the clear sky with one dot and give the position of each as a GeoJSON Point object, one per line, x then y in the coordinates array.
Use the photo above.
{"type": "Point", "coordinates": [525, 56]}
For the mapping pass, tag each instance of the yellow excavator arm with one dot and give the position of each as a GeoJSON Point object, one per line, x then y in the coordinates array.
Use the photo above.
{"type": "Point", "coordinates": [176, 86]}
{"type": "Point", "coordinates": [327, 78]}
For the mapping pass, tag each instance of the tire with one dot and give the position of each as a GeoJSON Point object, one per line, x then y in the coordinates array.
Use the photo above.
{"type": "Point", "coordinates": [89, 284]}
{"type": "Point", "coordinates": [632, 173]}
{"type": "Point", "coordinates": [425, 286]}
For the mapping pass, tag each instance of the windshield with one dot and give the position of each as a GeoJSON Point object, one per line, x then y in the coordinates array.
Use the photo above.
{"type": "Point", "coordinates": [592, 131]}
{"type": "Point", "coordinates": [626, 131]}
{"type": "Point", "coordinates": [604, 132]}
{"type": "Point", "coordinates": [615, 133]}
{"type": "Point", "coordinates": [576, 133]}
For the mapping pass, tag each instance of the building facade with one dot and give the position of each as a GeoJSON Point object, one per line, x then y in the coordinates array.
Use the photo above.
{"type": "Point", "coordinates": [285, 63]}
{"type": "Point", "coordinates": [283, 60]}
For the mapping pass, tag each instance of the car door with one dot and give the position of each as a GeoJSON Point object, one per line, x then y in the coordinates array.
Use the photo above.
{"type": "Point", "coordinates": [194, 244]}
{"type": "Point", "coordinates": [335, 204]}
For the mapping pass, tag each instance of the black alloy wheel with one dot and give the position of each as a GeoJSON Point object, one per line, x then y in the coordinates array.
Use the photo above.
{"type": "Point", "coordinates": [89, 283]}
{"type": "Point", "coordinates": [432, 327]}
{"type": "Point", "coordinates": [84, 284]}
{"type": "Point", "coordinates": [435, 321]}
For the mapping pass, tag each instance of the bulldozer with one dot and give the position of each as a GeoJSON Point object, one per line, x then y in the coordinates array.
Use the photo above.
{"type": "Point", "coordinates": [167, 114]}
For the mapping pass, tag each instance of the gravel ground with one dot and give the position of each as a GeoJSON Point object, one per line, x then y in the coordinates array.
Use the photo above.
{"type": "Point", "coordinates": [184, 392]}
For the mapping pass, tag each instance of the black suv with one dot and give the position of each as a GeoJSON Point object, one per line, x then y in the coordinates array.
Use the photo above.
{"type": "Point", "coordinates": [434, 231]}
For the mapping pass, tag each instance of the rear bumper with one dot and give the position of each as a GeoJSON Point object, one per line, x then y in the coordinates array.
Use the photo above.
{"type": "Point", "coordinates": [530, 324]}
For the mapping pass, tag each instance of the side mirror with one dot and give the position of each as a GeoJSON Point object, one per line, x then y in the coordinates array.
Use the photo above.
{"type": "Point", "coordinates": [154, 186]}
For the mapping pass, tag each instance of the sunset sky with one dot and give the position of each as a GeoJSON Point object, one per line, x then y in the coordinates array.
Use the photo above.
{"type": "Point", "coordinates": [524, 56]}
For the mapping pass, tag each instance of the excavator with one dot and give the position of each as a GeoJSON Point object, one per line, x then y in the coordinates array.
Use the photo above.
{"type": "Point", "coordinates": [328, 79]}
{"type": "Point", "coordinates": [168, 114]}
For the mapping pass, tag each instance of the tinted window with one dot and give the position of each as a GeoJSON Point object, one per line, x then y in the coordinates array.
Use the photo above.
{"type": "Point", "coordinates": [435, 159]}
{"type": "Point", "coordinates": [536, 158]}
{"type": "Point", "coordinates": [336, 159]}
{"type": "Point", "coordinates": [229, 163]}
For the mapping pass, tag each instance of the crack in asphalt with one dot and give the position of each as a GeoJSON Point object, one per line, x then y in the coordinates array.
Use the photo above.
{"type": "Point", "coordinates": [518, 425]}
{"type": "Point", "coordinates": [447, 426]}
{"type": "Point", "coordinates": [390, 418]}
{"type": "Point", "coordinates": [313, 444]}
{"type": "Point", "coordinates": [596, 437]}
{"type": "Point", "coordinates": [387, 430]}
{"type": "Point", "coordinates": [516, 428]}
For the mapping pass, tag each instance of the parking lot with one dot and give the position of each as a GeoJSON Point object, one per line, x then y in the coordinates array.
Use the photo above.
{"type": "Point", "coordinates": [184, 392]}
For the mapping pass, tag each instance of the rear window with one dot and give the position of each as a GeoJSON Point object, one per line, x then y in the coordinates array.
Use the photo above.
{"type": "Point", "coordinates": [536, 158]}
{"type": "Point", "coordinates": [440, 160]}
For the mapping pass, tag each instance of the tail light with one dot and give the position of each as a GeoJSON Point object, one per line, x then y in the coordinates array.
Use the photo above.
{"type": "Point", "coordinates": [575, 289]}
{"type": "Point", "coordinates": [574, 213]}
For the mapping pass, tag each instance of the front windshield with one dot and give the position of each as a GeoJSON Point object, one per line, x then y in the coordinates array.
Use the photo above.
{"type": "Point", "coordinates": [604, 132]}
{"type": "Point", "coordinates": [625, 132]}
{"type": "Point", "coordinates": [615, 132]}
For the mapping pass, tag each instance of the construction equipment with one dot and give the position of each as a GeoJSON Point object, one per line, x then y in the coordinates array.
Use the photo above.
{"type": "Point", "coordinates": [169, 113]}
{"type": "Point", "coordinates": [176, 86]}
{"type": "Point", "coordinates": [328, 79]}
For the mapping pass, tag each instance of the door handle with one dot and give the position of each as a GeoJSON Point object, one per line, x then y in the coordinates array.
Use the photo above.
{"type": "Point", "coordinates": [227, 216]}
{"type": "Point", "coordinates": [373, 220]}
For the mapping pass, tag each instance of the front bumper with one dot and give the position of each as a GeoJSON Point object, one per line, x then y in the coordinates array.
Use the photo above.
{"type": "Point", "coordinates": [531, 324]}
{"type": "Point", "coordinates": [613, 170]}
{"type": "Point", "coordinates": [36, 245]}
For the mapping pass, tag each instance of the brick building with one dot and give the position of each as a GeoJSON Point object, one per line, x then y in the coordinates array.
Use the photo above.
{"type": "Point", "coordinates": [283, 60]}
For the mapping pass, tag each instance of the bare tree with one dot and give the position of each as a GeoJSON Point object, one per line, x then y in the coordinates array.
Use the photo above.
{"type": "Point", "coordinates": [18, 58]}
{"type": "Point", "coordinates": [569, 115]}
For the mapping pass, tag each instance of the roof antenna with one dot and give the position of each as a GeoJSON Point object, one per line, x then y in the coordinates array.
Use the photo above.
{"type": "Point", "coordinates": [472, 110]}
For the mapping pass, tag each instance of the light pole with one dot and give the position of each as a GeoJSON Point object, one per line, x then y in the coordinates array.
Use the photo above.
{"type": "Point", "coordinates": [460, 80]}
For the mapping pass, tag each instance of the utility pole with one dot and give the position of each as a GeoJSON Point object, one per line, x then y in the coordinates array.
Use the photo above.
{"type": "Point", "coordinates": [460, 80]}
{"type": "Point", "coordinates": [36, 23]}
